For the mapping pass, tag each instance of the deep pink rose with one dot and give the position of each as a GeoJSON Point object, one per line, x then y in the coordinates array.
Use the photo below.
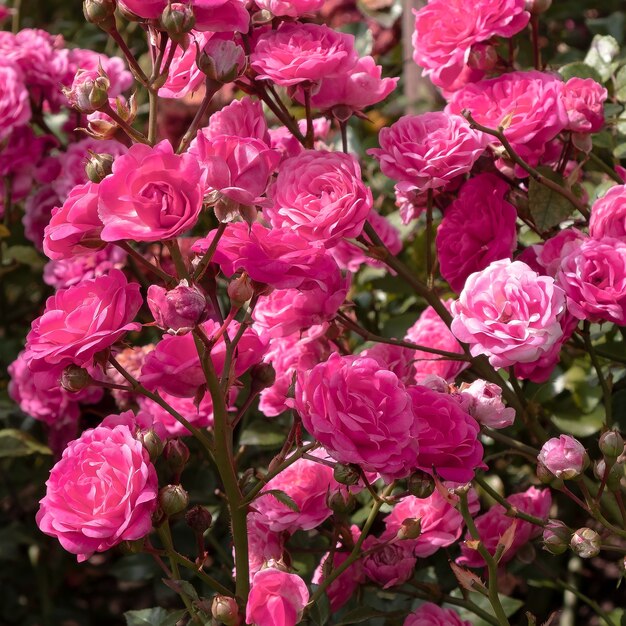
{"type": "Point", "coordinates": [528, 105]}
{"type": "Point", "coordinates": [241, 118]}
{"type": "Point", "coordinates": [263, 544]}
{"type": "Point", "coordinates": [550, 254]}
{"type": "Point", "coordinates": [563, 456]}
{"type": "Point", "coordinates": [429, 614]}
{"type": "Point", "coordinates": [593, 276]}
{"type": "Point", "coordinates": [152, 194]}
{"type": "Point", "coordinates": [290, 8]}
{"type": "Point", "coordinates": [396, 359]}
{"type": "Point", "coordinates": [320, 195]}
{"type": "Point", "coordinates": [447, 435]}
{"type": "Point", "coordinates": [509, 313]}
{"type": "Point", "coordinates": [38, 210]}
{"type": "Point", "coordinates": [608, 214]}
{"type": "Point", "coordinates": [221, 16]}
{"type": "Point", "coordinates": [445, 32]}
{"type": "Point", "coordinates": [148, 9]}
{"type": "Point", "coordinates": [495, 522]}
{"type": "Point", "coordinates": [277, 257]}
{"type": "Point", "coordinates": [177, 310]}
{"type": "Point", "coordinates": [276, 598]}
{"type": "Point", "coordinates": [388, 564]}
{"type": "Point", "coordinates": [584, 103]}
{"type": "Point", "coordinates": [103, 491]}
{"type": "Point", "coordinates": [360, 412]}
{"type": "Point", "coordinates": [483, 401]}
{"type": "Point", "coordinates": [14, 101]}
{"type": "Point", "coordinates": [298, 53]}
{"type": "Point", "coordinates": [427, 151]}
{"type": "Point", "coordinates": [477, 228]}
{"type": "Point", "coordinates": [83, 320]}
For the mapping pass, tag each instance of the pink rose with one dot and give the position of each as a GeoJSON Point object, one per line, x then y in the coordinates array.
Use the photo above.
{"type": "Point", "coordinates": [447, 435]}
{"type": "Point", "coordinates": [584, 103]}
{"type": "Point", "coordinates": [283, 140]}
{"type": "Point", "coordinates": [509, 313]}
{"type": "Point", "coordinates": [302, 53]}
{"type": "Point", "coordinates": [241, 118]}
{"type": "Point", "coordinates": [563, 456]}
{"type": "Point", "coordinates": [427, 151]}
{"type": "Point", "coordinates": [221, 16]}
{"type": "Point", "coordinates": [483, 401]}
{"type": "Point", "coordinates": [593, 276]}
{"type": "Point", "coordinates": [527, 104]}
{"type": "Point", "coordinates": [103, 491]}
{"type": "Point", "coordinates": [495, 522]}
{"type": "Point", "coordinates": [151, 194]}
{"type": "Point", "coordinates": [608, 214]}
{"type": "Point", "coordinates": [148, 9]}
{"type": "Point", "coordinates": [445, 33]}
{"type": "Point", "coordinates": [177, 310]}
{"type": "Point", "coordinates": [293, 8]}
{"type": "Point", "coordinates": [410, 203]}
{"type": "Point", "coordinates": [276, 598]}
{"type": "Point", "coordinates": [320, 195]}
{"type": "Point", "coordinates": [119, 77]}
{"type": "Point", "coordinates": [38, 210]}
{"type": "Point", "coordinates": [263, 544]}
{"type": "Point", "coordinates": [83, 320]}
{"type": "Point", "coordinates": [550, 254]}
{"type": "Point", "coordinates": [276, 257]}
{"type": "Point", "coordinates": [396, 359]}
{"type": "Point", "coordinates": [477, 228]}
{"type": "Point", "coordinates": [429, 614]}
{"type": "Point", "coordinates": [14, 100]}
{"type": "Point", "coordinates": [388, 564]}
{"type": "Point", "coordinates": [360, 413]}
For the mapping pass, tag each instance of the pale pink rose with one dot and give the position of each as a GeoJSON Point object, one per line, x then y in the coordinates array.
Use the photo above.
{"type": "Point", "coordinates": [563, 456]}
{"type": "Point", "coordinates": [263, 544]}
{"type": "Point", "coordinates": [410, 203]}
{"type": "Point", "coordinates": [174, 366]}
{"type": "Point", "coordinates": [290, 8]}
{"type": "Point", "coordinates": [151, 194]}
{"type": "Point", "coordinates": [608, 214]}
{"type": "Point", "coordinates": [148, 9]}
{"type": "Point", "coordinates": [103, 491]}
{"type": "Point", "coordinates": [235, 168]}
{"type": "Point", "coordinates": [427, 151]}
{"type": "Point", "coordinates": [83, 320]}
{"type": "Point", "coordinates": [277, 257]}
{"type": "Point", "coordinates": [388, 564]}
{"type": "Point", "coordinates": [509, 313]}
{"type": "Point", "coordinates": [185, 76]}
{"type": "Point", "coordinates": [483, 401]}
{"type": "Point", "coordinates": [431, 331]}
{"type": "Point", "coordinates": [119, 76]}
{"type": "Point", "coordinates": [477, 228]}
{"type": "Point", "coordinates": [528, 105]}
{"type": "Point", "coordinates": [550, 254]}
{"type": "Point", "coordinates": [131, 359]}
{"type": "Point", "coordinates": [38, 210]}
{"type": "Point", "coordinates": [221, 16]}
{"type": "Point", "coordinates": [276, 598]}
{"type": "Point", "coordinates": [14, 102]}
{"type": "Point", "coordinates": [397, 359]}
{"type": "Point", "coordinates": [584, 102]}
{"type": "Point", "coordinates": [74, 227]}
{"type": "Point", "coordinates": [593, 276]}
{"type": "Point", "coordinates": [283, 140]}
{"type": "Point", "coordinates": [447, 435]}
{"type": "Point", "coordinates": [240, 118]}
{"type": "Point", "coordinates": [320, 195]}
{"type": "Point", "coordinates": [298, 53]}
{"type": "Point", "coordinates": [429, 614]}
{"type": "Point", "coordinates": [177, 310]}
{"type": "Point", "coordinates": [360, 413]}
{"type": "Point", "coordinates": [495, 522]}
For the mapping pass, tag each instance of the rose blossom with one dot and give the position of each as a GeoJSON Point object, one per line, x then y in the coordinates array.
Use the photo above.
{"type": "Point", "coordinates": [495, 522]}
{"type": "Point", "coordinates": [509, 313]}
{"type": "Point", "coordinates": [276, 598]}
{"type": "Point", "coordinates": [528, 105]}
{"type": "Point", "coordinates": [584, 103]}
{"type": "Point", "coordinates": [83, 320]}
{"type": "Point", "coordinates": [119, 77]}
{"type": "Point", "coordinates": [396, 359]}
{"type": "Point", "coordinates": [477, 228]}
{"type": "Point", "coordinates": [221, 16]}
{"type": "Point", "coordinates": [177, 310]}
{"type": "Point", "coordinates": [446, 30]}
{"type": "Point", "coordinates": [410, 203]}
{"type": "Point", "coordinates": [293, 8]}
{"type": "Point", "coordinates": [240, 118]}
{"type": "Point", "coordinates": [593, 276]}
{"type": "Point", "coordinates": [388, 564]}
{"type": "Point", "coordinates": [563, 456]}
{"type": "Point", "coordinates": [14, 102]}
{"type": "Point", "coordinates": [483, 401]}
{"type": "Point", "coordinates": [103, 491]}
{"type": "Point", "coordinates": [361, 413]}
{"type": "Point", "coordinates": [38, 213]}
{"type": "Point", "coordinates": [427, 151]}
{"type": "Point", "coordinates": [608, 214]}
{"type": "Point", "coordinates": [320, 195]}
{"type": "Point", "coordinates": [550, 254]}
{"type": "Point", "coordinates": [151, 194]}
{"type": "Point", "coordinates": [429, 614]}
{"type": "Point", "coordinates": [302, 53]}
{"type": "Point", "coordinates": [284, 141]}
{"type": "Point", "coordinates": [148, 9]}
{"type": "Point", "coordinates": [263, 545]}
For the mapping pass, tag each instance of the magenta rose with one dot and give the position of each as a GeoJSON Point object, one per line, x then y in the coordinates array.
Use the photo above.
{"type": "Point", "coordinates": [296, 8]}
{"type": "Point", "coordinates": [477, 228]}
{"type": "Point", "coordinates": [509, 313]}
{"type": "Point", "coordinates": [593, 276]}
{"type": "Point", "coordinates": [608, 214]}
{"type": "Point", "coordinates": [320, 195]}
{"type": "Point", "coordinates": [151, 194]}
{"type": "Point", "coordinates": [119, 77]}
{"type": "Point", "coordinates": [148, 9]}
{"type": "Point", "coordinates": [550, 254]}
{"type": "Point", "coordinates": [528, 105]}
{"type": "Point", "coordinates": [83, 320]}
{"type": "Point", "coordinates": [177, 310]}
{"type": "Point", "coordinates": [361, 413]}
{"type": "Point", "coordinates": [388, 564]}
{"type": "Point", "coordinates": [298, 53]}
{"type": "Point", "coordinates": [584, 99]}
{"type": "Point", "coordinates": [446, 31]}
{"type": "Point", "coordinates": [263, 544]}
{"type": "Point", "coordinates": [14, 101]}
{"type": "Point", "coordinates": [427, 151]}
{"type": "Point", "coordinates": [429, 614]}
{"type": "Point", "coordinates": [221, 16]}
{"type": "Point", "coordinates": [240, 118]}
{"type": "Point", "coordinates": [103, 491]}
{"type": "Point", "coordinates": [563, 456]}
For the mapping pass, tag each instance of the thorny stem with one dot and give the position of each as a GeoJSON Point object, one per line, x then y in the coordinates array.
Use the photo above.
{"type": "Point", "coordinates": [134, 134]}
{"type": "Point", "coordinates": [211, 88]}
{"type": "Point", "coordinates": [130, 57]}
{"type": "Point", "coordinates": [209, 580]}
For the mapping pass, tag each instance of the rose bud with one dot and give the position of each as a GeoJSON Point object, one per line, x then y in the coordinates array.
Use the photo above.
{"type": "Point", "coordinates": [100, 12]}
{"type": "Point", "coordinates": [616, 473]}
{"type": "Point", "coordinates": [198, 519]}
{"type": "Point", "coordinates": [340, 503]}
{"type": "Point", "coordinates": [222, 60]}
{"type": "Point", "coordinates": [75, 379]}
{"type": "Point", "coordinates": [173, 499]}
{"type": "Point", "coordinates": [99, 167]}
{"type": "Point", "coordinates": [536, 7]}
{"type": "Point", "coordinates": [262, 375]}
{"type": "Point", "coordinates": [611, 444]}
{"type": "Point", "coordinates": [564, 457]}
{"type": "Point", "coordinates": [420, 484]}
{"type": "Point", "coordinates": [346, 474]}
{"type": "Point", "coordinates": [410, 529]}
{"type": "Point", "coordinates": [89, 91]}
{"type": "Point", "coordinates": [556, 537]}
{"type": "Point", "coordinates": [178, 310]}
{"type": "Point", "coordinates": [152, 443]}
{"type": "Point", "coordinates": [176, 454]}
{"type": "Point", "coordinates": [225, 610]}
{"type": "Point", "coordinates": [482, 57]}
{"type": "Point", "coordinates": [177, 20]}
{"type": "Point", "coordinates": [585, 543]}
{"type": "Point", "coordinates": [240, 290]}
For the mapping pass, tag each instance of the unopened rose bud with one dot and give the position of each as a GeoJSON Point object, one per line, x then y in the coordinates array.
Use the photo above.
{"type": "Point", "coordinates": [222, 60]}
{"type": "Point", "coordinates": [536, 7]}
{"type": "Point", "coordinates": [262, 376]}
{"type": "Point", "coordinates": [556, 537]}
{"type": "Point", "coordinates": [340, 503]}
{"type": "Point", "coordinates": [420, 484]}
{"type": "Point", "coordinates": [585, 542]}
{"type": "Point", "coordinates": [410, 529]}
{"type": "Point", "coordinates": [176, 454]}
{"type": "Point", "coordinates": [240, 290]}
{"type": "Point", "coordinates": [564, 457]}
{"type": "Point", "coordinates": [152, 443]}
{"type": "Point", "coordinates": [346, 474]}
{"type": "Point", "coordinates": [611, 445]}
{"type": "Point", "coordinates": [178, 310]}
{"type": "Point", "coordinates": [198, 519]}
{"type": "Point", "coordinates": [177, 20]}
{"type": "Point", "coordinates": [225, 610]}
{"type": "Point", "coordinates": [483, 57]}
{"type": "Point", "coordinates": [75, 379]}
{"type": "Point", "coordinates": [616, 473]}
{"type": "Point", "coordinates": [100, 12]}
{"type": "Point", "coordinates": [173, 499]}
{"type": "Point", "coordinates": [89, 91]}
{"type": "Point", "coordinates": [99, 167]}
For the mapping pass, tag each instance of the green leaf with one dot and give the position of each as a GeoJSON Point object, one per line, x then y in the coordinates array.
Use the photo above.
{"type": "Point", "coordinates": [263, 434]}
{"type": "Point", "coordinates": [283, 498]}
{"type": "Point", "coordinates": [578, 69]}
{"type": "Point", "coordinates": [547, 208]}
{"type": "Point", "coordinates": [601, 56]}
{"type": "Point", "coordinates": [620, 84]}
{"type": "Point", "coordinates": [156, 616]}
{"type": "Point", "coordinates": [320, 611]}
{"type": "Point", "coordinates": [14, 443]}
{"type": "Point", "coordinates": [362, 614]}
{"type": "Point", "coordinates": [578, 424]}
{"type": "Point", "coordinates": [26, 255]}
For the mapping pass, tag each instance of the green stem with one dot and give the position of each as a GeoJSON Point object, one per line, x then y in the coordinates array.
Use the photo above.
{"type": "Point", "coordinates": [607, 169]}
{"type": "Point", "coordinates": [211, 88]}
{"type": "Point", "coordinates": [208, 255]}
{"type": "Point", "coordinates": [153, 115]}
{"type": "Point", "coordinates": [606, 388]}
{"type": "Point", "coordinates": [209, 580]}
{"type": "Point", "coordinates": [135, 135]}
{"type": "Point", "coordinates": [130, 57]}
{"type": "Point", "coordinates": [587, 600]}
